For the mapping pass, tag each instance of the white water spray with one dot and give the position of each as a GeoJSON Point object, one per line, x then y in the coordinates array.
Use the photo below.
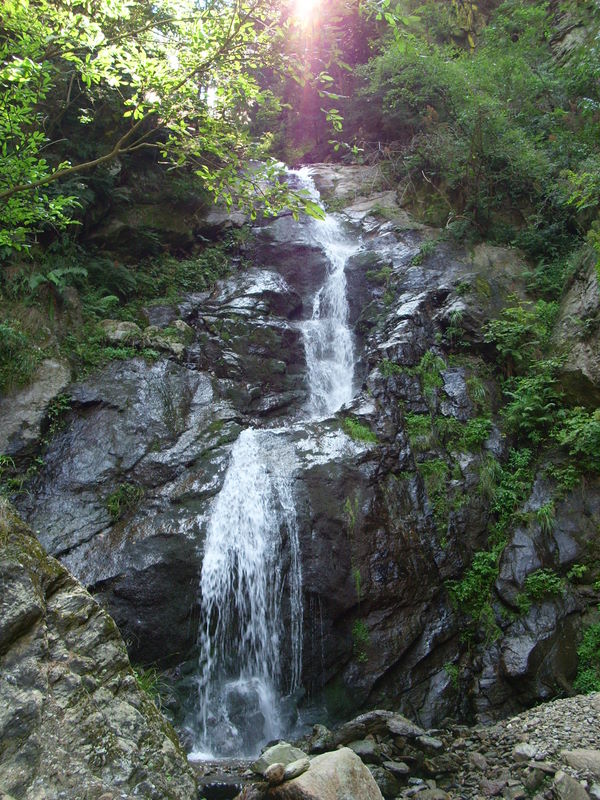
{"type": "Point", "coordinates": [251, 573]}
{"type": "Point", "coordinates": [328, 342]}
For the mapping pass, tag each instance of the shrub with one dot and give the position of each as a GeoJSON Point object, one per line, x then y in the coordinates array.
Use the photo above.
{"type": "Point", "coordinates": [428, 370]}
{"type": "Point", "coordinates": [471, 594]}
{"type": "Point", "coordinates": [435, 477]}
{"type": "Point", "coordinates": [420, 431]}
{"type": "Point", "coordinates": [588, 670]}
{"type": "Point", "coordinates": [545, 516]}
{"type": "Point", "coordinates": [357, 431]}
{"type": "Point", "coordinates": [125, 499]}
{"type": "Point", "coordinates": [476, 432]}
{"type": "Point", "coordinates": [360, 640]}
{"type": "Point", "coordinates": [534, 401]}
{"type": "Point", "coordinates": [538, 586]}
{"type": "Point", "coordinates": [521, 331]}
{"type": "Point", "coordinates": [18, 356]}
{"type": "Point", "coordinates": [579, 431]}
{"type": "Point", "coordinates": [389, 368]}
{"type": "Point", "coordinates": [514, 483]}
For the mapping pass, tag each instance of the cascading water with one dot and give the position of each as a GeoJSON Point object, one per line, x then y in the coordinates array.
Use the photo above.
{"type": "Point", "coordinates": [252, 529]}
{"type": "Point", "coordinates": [327, 338]}
{"type": "Point", "coordinates": [251, 574]}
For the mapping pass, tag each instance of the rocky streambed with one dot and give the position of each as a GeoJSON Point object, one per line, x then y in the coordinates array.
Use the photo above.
{"type": "Point", "coordinates": [551, 751]}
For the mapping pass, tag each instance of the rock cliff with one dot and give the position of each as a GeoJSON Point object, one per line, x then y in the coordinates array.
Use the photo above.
{"type": "Point", "coordinates": [73, 720]}
{"type": "Point", "coordinates": [391, 492]}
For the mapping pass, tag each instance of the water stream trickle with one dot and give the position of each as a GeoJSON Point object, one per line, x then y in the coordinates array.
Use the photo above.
{"type": "Point", "coordinates": [328, 341]}
{"type": "Point", "coordinates": [251, 582]}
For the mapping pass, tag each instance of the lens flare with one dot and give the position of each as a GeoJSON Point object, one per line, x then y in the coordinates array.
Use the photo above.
{"type": "Point", "coordinates": [305, 11]}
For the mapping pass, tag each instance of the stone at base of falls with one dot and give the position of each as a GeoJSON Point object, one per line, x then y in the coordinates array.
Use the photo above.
{"type": "Point", "coordinates": [73, 721]}
{"type": "Point", "coordinates": [321, 740]}
{"type": "Point", "coordinates": [296, 768]}
{"type": "Point", "coordinates": [332, 776]}
{"type": "Point", "coordinates": [280, 753]}
{"type": "Point", "coordinates": [377, 721]}
{"type": "Point", "coordinates": [275, 774]}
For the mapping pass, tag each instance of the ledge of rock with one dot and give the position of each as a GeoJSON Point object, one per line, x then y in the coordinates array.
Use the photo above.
{"type": "Point", "coordinates": [73, 721]}
{"type": "Point", "coordinates": [22, 413]}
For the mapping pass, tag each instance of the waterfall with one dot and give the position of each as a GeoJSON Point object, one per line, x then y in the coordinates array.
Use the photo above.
{"type": "Point", "coordinates": [251, 529]}
{"type": "Point", "coordinates": [251, 583]}
{"type": "Point", "coordinates": [327, 338]}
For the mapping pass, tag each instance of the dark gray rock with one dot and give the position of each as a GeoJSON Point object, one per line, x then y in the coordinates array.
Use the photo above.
{"type": "Point", "coordinates": [74, 721]}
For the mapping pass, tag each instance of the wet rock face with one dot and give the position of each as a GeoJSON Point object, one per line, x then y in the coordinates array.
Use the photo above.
{"type": "Point", "coordinates": [117, 502]}
{"type": "Point", "coordinates": [23, 412]}
{"type": "Point", "coordinates": [74, 721]}
{"type": "Point", "coordinates": [125, 492]}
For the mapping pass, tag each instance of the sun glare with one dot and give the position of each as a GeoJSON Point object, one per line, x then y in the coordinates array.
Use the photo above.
{"type": "Point", "coordinates": [305, 10]}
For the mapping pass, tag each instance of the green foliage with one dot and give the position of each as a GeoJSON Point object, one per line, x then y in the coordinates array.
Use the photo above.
{"type": "Point", "coordinates": [7, 468]}
{"type": "Point", "coordinates": [514, 482]}
{"type": "Point", "coordinates": [578, 429]}
{"type": "Point", "coordinates": [577, 572]}
{"type": "Point", "coordinates": [382, 275]}
{"type": "Point", "coordinates": [567, 477]}
{"type": "Point", "coordinates": [389, 368]}
{"type": "Point", "coordinates": [428, 370]}
{"type": "Point", "coordinates": [86, 349]}
{"type": "Point", "coordinates": [360, 641]}
{"type": "Point", "coordinates": [454, 333]}
{"type": "Point", "coordinates": [477, 391]}
{"type": "Point", "coordinates": [420, 430]}
{"type": "Point", "coordinates": [172, 77]}
{"type": "Point", "coordinates": [150, 681]}
{"type": "Point", "coordinates": [170, 277]}
{"type": "Point", "coordinates": [471, 594]}
{"type": "Point", "coordinates": [356, 577]}
{"type": "Point", "coordinates": [503, 133]}
{"type": "Point", "coordinates": [18, 356]}
{"type": "Point", "coordinates": [435, 476]}
{"type": "Point", "coordinates": [489, 476]}
{"type": "Point", "coordinates": [521, 331]}
{"type": "Point", "coordinates": [476, 433]}
{"type": "Point", "coordinates": [123, 500]}
{"type": "Point", "coordinates": [538, 586]}
{"type": "Point", "coordinates": [588, 669]}
{"type": "Point", "coordinates": [534, 401]}
{"type": "Point", "coordinates": [545, 516]}
{"type": "Point", "coordinates": [425, 249]}
{"type": "Point", "coordinates": [55, 416]}
{"type": "Point", "coordinates": [453, 672]}
{"type": "Point", "coordinates": [357, 431]}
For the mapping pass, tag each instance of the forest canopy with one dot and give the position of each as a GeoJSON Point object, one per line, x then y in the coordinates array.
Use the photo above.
{"type": "Point", "coordinates": [84, 83]}
{"type": "Point", "coordinates": [486, 113]}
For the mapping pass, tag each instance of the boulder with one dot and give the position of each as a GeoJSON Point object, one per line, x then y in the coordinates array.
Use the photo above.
{"type": "Point", "coordinates": [389, 785]}
{"type": "Point", "coordinates": [73, 719]}
{"type": "Point", "coordinates": [565, 787]}
{"type": "Point", "coordinates": [121, 332]}
{"type": "Point", "coordinates": [280, 753]}
{"type": "Point", "coordinates": [338, 775]}
{"type": "Point", "coordinates": [367, 750]}
{"type": "Point", "coordinates": [320, 740]}
{"type": "Point", "coordinates": [296, 768]}
{"type": "Point", "coordinates": [583, 760]}
{"type": "Point", "coordinates": [22, 413]}
{"type": "Point", "coordinates": [274, 774]}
